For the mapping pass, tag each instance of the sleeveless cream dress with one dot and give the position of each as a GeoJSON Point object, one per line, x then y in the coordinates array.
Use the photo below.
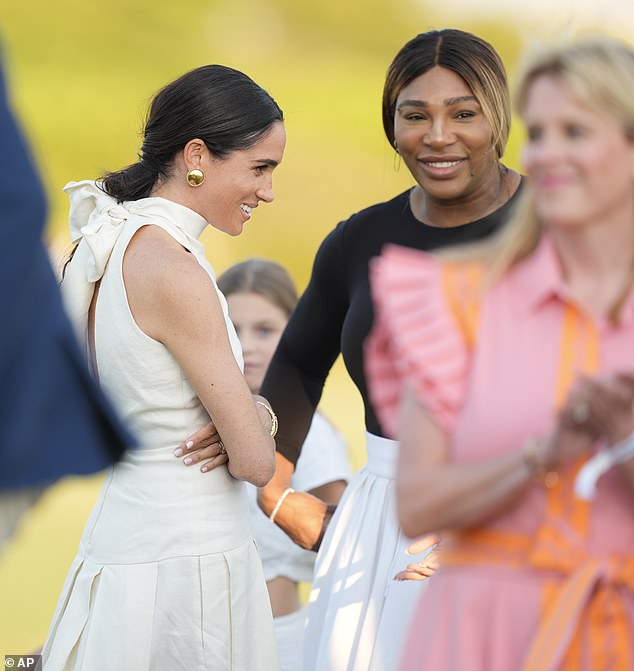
{"type": "Point", "coordinates": [167, 575]}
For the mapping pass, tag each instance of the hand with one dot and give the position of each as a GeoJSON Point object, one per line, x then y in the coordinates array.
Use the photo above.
{"type": "Point", "coordinates": [425, 568]}
{"type": "Point", "coordinates": [612, 406]}
{"type": "Point", "coordinates": [603, 406]}
{"type": "Point", "coordinates": [303, 517]}
{"type": "Point", "coordinates": [596, 408]}
{"type": "Point", "coordinates": [203, 447]}
{"type": "Point", "coordinates": [576, 429]}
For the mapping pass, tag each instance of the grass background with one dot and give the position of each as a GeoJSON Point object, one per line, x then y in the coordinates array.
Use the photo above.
{"type": "Point", "coordinates": [81, 75]}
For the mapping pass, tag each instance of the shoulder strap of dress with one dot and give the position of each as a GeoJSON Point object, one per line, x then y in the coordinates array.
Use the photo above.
{"type": "Point", "coordinates": [462, 285]}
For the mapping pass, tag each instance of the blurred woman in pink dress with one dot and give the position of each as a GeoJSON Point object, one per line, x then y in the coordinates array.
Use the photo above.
{"type": "Point", "coordinates": [504, 369]}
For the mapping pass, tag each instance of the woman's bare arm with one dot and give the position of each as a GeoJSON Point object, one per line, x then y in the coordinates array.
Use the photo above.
{"type": "Point", "coordinates": [174, 301]}
{"type": "Point", "coordinates": [434, 494]}
{"type": "Point", "coordinates": [302, 516]}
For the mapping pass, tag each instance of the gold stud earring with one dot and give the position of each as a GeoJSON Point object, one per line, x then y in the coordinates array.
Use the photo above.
{"type": "Point", "coordinates": [195, 177]}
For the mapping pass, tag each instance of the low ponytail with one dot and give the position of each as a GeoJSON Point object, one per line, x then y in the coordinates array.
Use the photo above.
{"type": "Point", "coordinates": [221, 106]}
{"type": "Point", "coordinates": [131, 183]}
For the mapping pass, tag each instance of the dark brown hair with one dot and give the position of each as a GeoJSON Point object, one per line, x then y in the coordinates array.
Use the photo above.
{"type": "Point", "coordinates": [220, 105]}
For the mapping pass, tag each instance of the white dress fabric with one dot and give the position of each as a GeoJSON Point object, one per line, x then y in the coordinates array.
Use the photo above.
{"type": "Point", "coordinates": [358, 615]}
{"type": "Point", "coordinates": [323, 459]}
{"type": "Point", "coordinates": [167, 576]}
{"type": "Point", "coordinates": [289, 635]}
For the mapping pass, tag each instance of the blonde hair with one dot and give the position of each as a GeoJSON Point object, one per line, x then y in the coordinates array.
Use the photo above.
{"type": "Point", "coordinates": [600, 73]}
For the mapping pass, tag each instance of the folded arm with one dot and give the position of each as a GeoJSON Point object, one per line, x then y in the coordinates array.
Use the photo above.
{"type": "Point", "coordinates": [175, 302]}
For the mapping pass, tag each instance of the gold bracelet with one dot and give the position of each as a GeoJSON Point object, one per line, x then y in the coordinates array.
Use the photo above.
{"type": "Point", "coordinates": [532, 461]}
{"type": "Point", "coordinates": [272, 415]}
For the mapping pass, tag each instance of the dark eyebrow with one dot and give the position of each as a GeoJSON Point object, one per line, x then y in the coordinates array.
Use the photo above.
{"type": "Point", "coordinates": [266, 161]}
{"type": "Point", "coordinates": [448, 102]}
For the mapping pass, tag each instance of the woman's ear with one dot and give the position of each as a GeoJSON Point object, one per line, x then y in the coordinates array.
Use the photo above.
{"type": "Point", "coordinates": [193, 153]}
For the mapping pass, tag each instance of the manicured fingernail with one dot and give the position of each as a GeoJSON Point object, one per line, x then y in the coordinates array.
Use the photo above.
{"type": "Point", "coordinates": [204, 469]}
{"type": "Point", "coordinates": [187, 460]}
{"type": "Point", "coordinates": [178, 452]}
{"type": "Point", "coordinates": [189, 444]}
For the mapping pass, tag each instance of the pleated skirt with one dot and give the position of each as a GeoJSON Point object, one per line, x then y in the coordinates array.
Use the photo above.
{"type": "Point", "coordinates": [358, 615]}
{"type": "Point", "coordinates": [167, 577]}
{"type": "Point", "coordinates": [189, 613]}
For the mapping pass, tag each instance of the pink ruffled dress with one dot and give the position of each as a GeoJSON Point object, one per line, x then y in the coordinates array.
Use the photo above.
{"type": "Point", "coordinates": [548, 585]}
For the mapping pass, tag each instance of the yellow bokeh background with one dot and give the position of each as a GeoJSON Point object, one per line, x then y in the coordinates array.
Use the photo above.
{"type": "Point", "coordinates": [80, 76]}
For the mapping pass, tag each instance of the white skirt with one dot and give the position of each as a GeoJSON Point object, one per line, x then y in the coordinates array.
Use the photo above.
{"type": "Point", "coordinates": [358, 615]}
{"type": "Point", "coordinates": [167, 577]}
{"type": "Point", "coordinates": [289, 634]}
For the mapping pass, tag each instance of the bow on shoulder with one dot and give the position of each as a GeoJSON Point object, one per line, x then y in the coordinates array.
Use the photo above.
{"type": "Point", "coordinates": [95, 218]}
{"type": "Point", "coordinates": [96, 221]}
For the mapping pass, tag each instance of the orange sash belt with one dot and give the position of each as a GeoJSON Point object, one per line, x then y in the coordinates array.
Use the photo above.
{"type": "Point", "coordinates": [589, 585]}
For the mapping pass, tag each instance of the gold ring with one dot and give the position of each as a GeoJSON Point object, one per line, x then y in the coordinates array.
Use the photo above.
{"type": "Point", "coordinates": [221, 447]}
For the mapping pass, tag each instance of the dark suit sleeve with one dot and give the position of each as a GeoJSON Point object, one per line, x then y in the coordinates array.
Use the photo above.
{"type": "Point", "coordinates": [54, 420]}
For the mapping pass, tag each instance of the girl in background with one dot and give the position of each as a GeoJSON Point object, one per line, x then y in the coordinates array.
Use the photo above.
{"type": "Point", "coordinates": [261, 296]}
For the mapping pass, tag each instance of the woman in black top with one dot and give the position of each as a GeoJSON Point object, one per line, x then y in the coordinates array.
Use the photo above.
{"type": "Point", "coordinates": [446, 112]}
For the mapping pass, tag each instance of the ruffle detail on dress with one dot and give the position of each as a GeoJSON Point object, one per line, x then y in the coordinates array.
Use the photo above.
{"type": "Point", "coordinates": [416, 340]}
{"type": "Point", "coordinates": [181, 613]}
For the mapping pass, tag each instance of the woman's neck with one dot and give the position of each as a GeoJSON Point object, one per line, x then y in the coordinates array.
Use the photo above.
{"type": "Point", "coordinates": [177, 191]}
{"type": "Point", "coordinates": [597, 262]}
{"type": "Point", "coordinates": [494, 192]}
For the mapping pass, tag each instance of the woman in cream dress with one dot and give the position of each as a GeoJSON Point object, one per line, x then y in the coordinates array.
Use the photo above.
{"type": "Point", "coordinates": [167, 575]}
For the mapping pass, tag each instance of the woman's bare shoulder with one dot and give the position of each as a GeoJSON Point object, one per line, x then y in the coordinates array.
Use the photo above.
{"type": "Point", "coordinates": [163, 280]}
{"type": "Point", "coordinates": [154, 256]}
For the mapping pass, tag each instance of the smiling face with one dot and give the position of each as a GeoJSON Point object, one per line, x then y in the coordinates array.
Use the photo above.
{"type": "Point", "coordinates": [259, 324]}
{"type": "Point", "coordinates": [236, 184]}
{"type": "Point", "coordinates": [443, 136]}
{"type": "Point", "coordinates": [578, 159]}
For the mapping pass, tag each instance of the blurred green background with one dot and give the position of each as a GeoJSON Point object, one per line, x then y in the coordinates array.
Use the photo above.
{"type": "Point", "coordinates": [81, 75]}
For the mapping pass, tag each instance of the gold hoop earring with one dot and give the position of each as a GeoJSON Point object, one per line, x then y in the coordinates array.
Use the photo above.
{"type": "Point", "coordinates": [195, 177]}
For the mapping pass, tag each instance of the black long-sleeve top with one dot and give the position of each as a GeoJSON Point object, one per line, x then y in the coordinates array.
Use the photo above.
{"type": "Point", "coordinates": [335, 313]}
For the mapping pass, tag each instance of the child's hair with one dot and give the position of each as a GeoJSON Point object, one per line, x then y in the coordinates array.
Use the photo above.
{"type": "Point", "coordinates": [263, 277]}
